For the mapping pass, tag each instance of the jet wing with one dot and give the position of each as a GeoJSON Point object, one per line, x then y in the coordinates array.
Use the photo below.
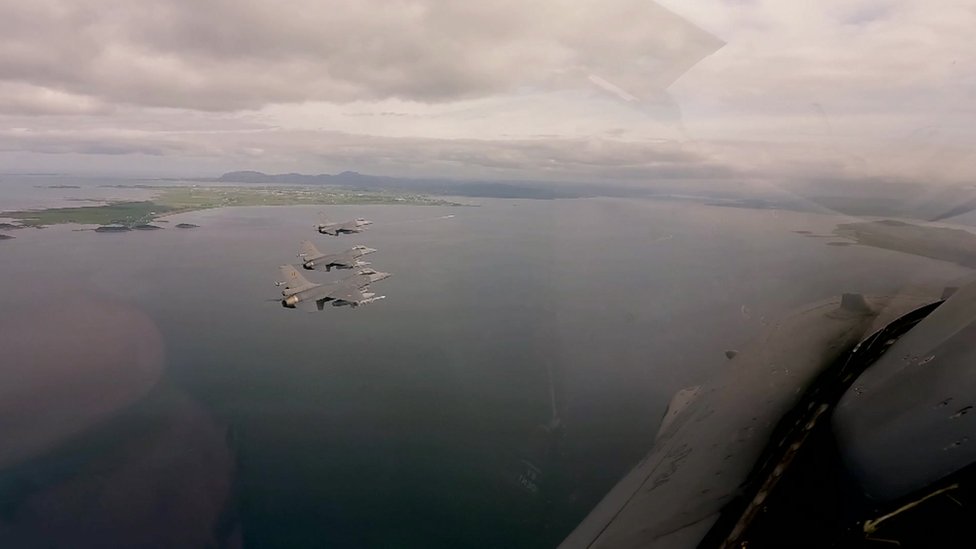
{"type": "Point", "coordinates": [350, 294]}
{"type": "Point", "coordinates": [326, 262]}
{"type": "Point", "coordinates": [713, 436]}
{"type": "Point", "coordinates": [309, 305]}
{"type": "Point", "coordinates": [345, 260]}
{"type": "Point", "coordinates": [326, 291]}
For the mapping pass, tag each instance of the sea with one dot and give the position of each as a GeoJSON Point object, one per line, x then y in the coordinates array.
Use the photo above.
{"type": "Point", "coordinates": [154, 389]}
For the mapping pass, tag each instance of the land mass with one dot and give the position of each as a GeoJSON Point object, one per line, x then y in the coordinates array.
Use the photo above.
{"type": "Point", "coordinates": [355, 180]}
{"type": "Point", "coordinates": [173, 200]}
{"type": "Point", "coordinates": [861, 197]}
{"type": "Point", "coordinates": [113, 229]}
{"type": "Point", "coordinates": [947, 244]}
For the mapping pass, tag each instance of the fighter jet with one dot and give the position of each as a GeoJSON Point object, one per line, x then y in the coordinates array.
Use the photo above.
{"type": "Point", "coordinates": [312, 258]}
{"type": "Point", "coordinates": [351, 291]}
{"type": "Point", "coordinates": [335, 229]}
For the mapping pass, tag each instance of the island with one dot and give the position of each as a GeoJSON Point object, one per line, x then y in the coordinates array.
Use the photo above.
{"type": "Point", "coordinates": [170, 200]}
{"type": "Point", "coordinates": [6, 237]}
{"type": "Point", "coordinates": [113, 229]}
{"type": "Point", "coordinates": [186, 226]}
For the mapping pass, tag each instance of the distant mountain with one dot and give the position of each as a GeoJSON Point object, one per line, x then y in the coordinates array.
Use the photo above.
{"type": "Point", "coordinates": [244, 177]}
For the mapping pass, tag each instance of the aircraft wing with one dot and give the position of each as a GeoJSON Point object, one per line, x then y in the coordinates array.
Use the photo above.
{"type": "Point", "coordinates": [313, 300]}
{"type": "Point", "coordinates": [712, 437]}
{"type": "Point", "coordinates": [351, 294]}
{"type": "Point", "coordinates": [326, 262]}
{"type": "Point", "coordinates": [344, 259]}
{"type": "Point", "coordinates": [316, 297]}
{"type": "Point", "coordinates": [308, 305]}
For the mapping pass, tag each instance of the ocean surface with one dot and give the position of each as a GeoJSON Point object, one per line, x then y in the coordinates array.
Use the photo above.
{"type": "Point", "coordinates": [518, 367]}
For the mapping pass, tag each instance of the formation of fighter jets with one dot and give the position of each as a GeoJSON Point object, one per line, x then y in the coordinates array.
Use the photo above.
{"type": "Point", "coordinates": [351, 291]}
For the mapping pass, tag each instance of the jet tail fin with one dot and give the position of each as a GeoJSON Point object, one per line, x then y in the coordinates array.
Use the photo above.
{"type": "Point", "coordinates": [293, 280]}
{"type": "Point", "coordinates": [308, 250]}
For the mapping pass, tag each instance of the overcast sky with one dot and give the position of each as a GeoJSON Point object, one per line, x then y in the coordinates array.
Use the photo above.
{"type": "Point", "coordinates": [587, 90]}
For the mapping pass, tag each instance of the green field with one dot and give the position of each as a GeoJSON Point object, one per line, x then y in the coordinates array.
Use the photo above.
{"type": "Point", "coordinates": [116, 212]}
{"type": "Point", "coordinates": [171, 200]}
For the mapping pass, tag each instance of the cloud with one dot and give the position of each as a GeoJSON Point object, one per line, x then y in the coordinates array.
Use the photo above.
{"type": "Point", "coordinates": [589, 159]}
{"type": "Point", "coordinates": [868, 57]}
{"type": "Point", "coordinates": [561, 89]}
{"type": "Point", "coordinates": [95, 143]}
{"type": "Point", "coordinates": [232, 54]}
{"type": "Point", "coordinates": [26, 99]}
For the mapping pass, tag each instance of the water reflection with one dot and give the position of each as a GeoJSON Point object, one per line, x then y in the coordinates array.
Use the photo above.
{"type": "Point", "coordinates": [98, 451]}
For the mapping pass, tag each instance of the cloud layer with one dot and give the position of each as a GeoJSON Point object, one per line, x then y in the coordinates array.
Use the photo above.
{"type": "Point", "coordinates": [621, 89]}
{"type": "Point", "coordinates": [232, 54]}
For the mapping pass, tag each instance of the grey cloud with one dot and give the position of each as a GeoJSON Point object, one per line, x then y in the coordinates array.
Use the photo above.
{"type": "Point", "coordinates": [863, 15]}
{"type": "Point", "coordinates": [92, 143]}
{"type": "Point", "coordinates": [25, 99]}
{"type": "Point", "coordinates": [870, 57]}
{"type": "Point", "coordinates": [224, 84]}
{"type": "Point", "coordinates": [227, 55]}
{"type": "Point", "coordinates": [370, 114]}
{"type": "Point", "coordinates": [276, 150]}
{"type": "Point", "coordinates": [512, 158]}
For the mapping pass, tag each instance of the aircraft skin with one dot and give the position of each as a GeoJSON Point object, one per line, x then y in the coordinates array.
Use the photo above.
{"type": "Point", "coordinates": [910, 421]}
{"type": "Point", "coordinates": [313, 259]}
{"type": "Point", "coordinates": [357, 225]}
{"type": "Point", "coordinates": [351, 291]}
{"type": "Point", "coordinates": [713, 435]}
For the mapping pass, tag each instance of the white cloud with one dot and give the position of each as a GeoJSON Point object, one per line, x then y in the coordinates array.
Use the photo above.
{"type": "Point", "coordinates": [231, 54]}
{"type": "Point", "coordinates": [553, 88]}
